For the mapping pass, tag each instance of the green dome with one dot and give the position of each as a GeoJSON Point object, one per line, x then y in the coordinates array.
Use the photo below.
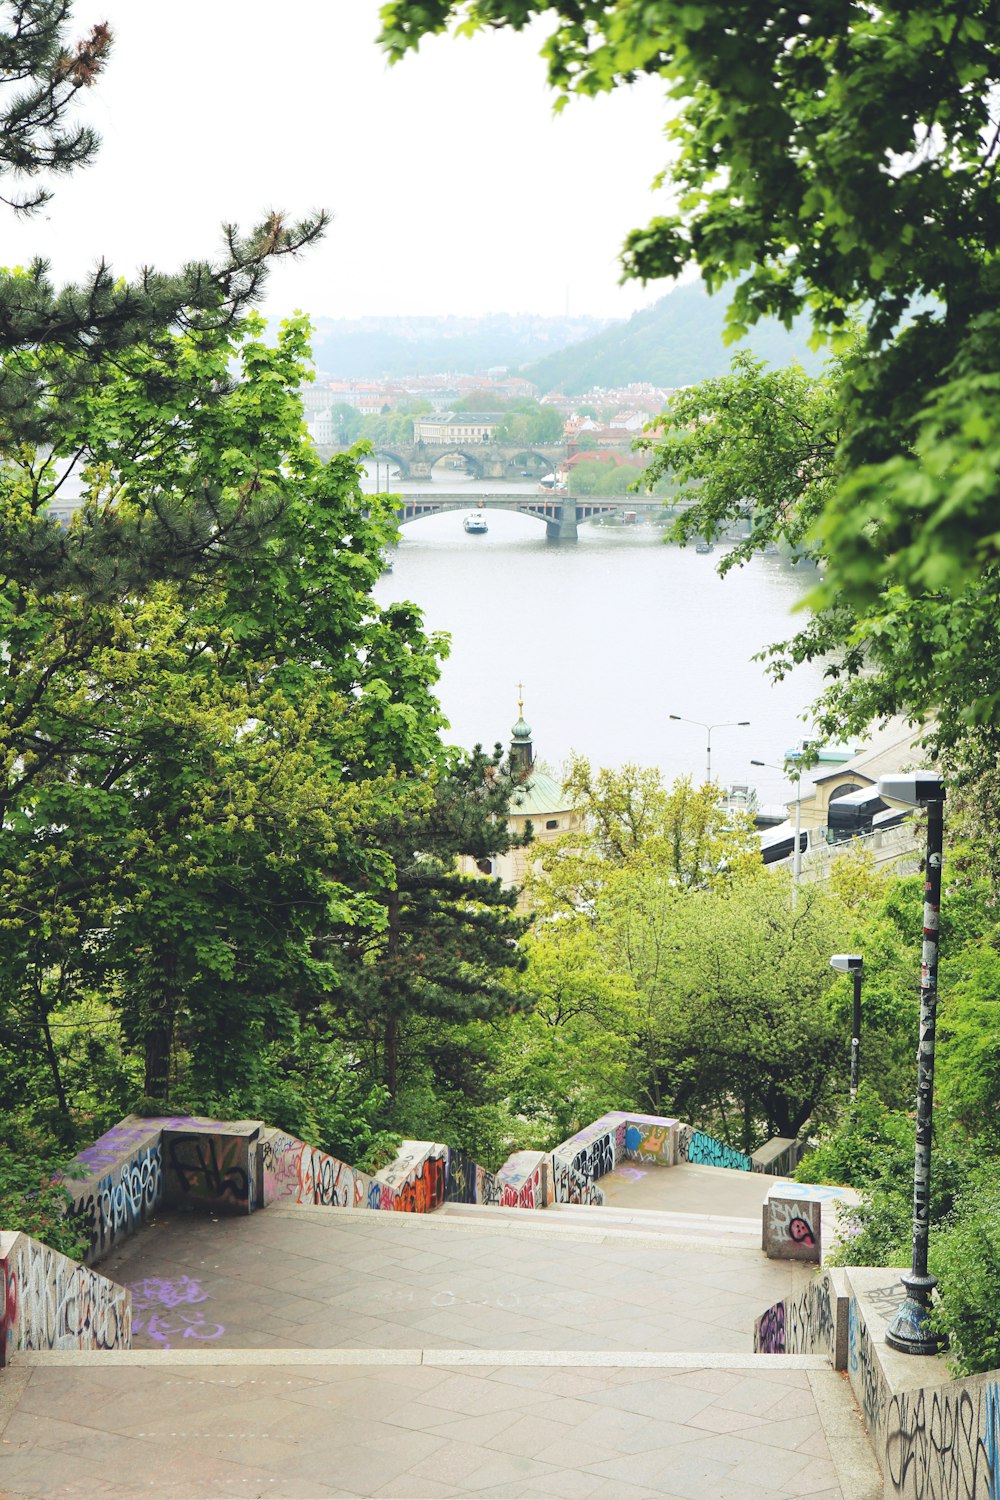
{"type": "Point", "coordinates": [521, 730]}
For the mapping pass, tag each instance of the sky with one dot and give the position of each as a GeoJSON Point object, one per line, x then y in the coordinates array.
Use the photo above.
{"type": "Point", "coordinates": [454, 187]}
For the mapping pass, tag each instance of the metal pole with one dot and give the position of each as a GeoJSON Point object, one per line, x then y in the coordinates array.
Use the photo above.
{"type": "Point", "coordinates": [797, 864]}
{"type": "Point", "coordinates": [708, 758]}
{"type": "Point", "coordinates": [856, 1036]}
{"type": "Point", "coordinates": [908, 1331]}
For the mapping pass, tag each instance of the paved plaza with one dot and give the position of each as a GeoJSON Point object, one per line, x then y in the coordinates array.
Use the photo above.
{"type": "Point", "coordinates": [310, 1352]}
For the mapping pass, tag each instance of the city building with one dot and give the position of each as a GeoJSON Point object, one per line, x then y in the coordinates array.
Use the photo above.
{"type": "Point", "coordinates": [457, 427]}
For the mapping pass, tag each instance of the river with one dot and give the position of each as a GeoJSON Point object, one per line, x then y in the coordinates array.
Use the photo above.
{"type": "Point", "coordinates": [610, 636]}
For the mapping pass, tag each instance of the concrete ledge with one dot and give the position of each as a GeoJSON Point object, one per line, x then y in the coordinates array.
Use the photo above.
{"type": "Point", "coordinates": [932, 1435]}
{"type": "Point", "coordinates": [606, 1359]}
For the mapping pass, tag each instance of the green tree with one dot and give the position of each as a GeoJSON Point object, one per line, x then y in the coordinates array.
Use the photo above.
{"type": "Point", "coordinates": [528, 422]}
{"type": "Point", "coordinates": [446, 946]}
{"type": "Point", "coordinates": [750, 1031]}
{"type": "Point", "coordinates": [188, 763]}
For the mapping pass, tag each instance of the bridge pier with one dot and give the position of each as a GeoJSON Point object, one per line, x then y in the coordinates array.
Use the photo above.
{"type": "Point", "coordinates": [563, 530]}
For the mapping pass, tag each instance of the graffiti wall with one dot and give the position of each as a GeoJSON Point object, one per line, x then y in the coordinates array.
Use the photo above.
{"type": "Point", "coordinates": [932, 1441]}
{"type": "Point", "coordinates": [124, 1176]}
{"type": "Point", "coordinates": [415, 1182]}
{"type": "Point", "coordinates": [114, 1205]}
{"type": "Point", "coordinates": [295, 1172]}
{"type": "Point", "coordinates": [704, 1150]}
{"type": "Point", "coordinates": [48, 1301]}
{"type": "Point", "coordinates": [806, 1324]}
{"type": "Point", "coordinates": [468, 1182]}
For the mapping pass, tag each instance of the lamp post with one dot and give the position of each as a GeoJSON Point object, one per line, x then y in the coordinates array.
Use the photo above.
{"type": "Point", "coordinates": [852, 963]}
{"type": "Point", "coordinates": [797, 856]}
{"type": "Point", "coordinates": [908, 1331]}
{"type": "Point", "coordinates": [729, 724]}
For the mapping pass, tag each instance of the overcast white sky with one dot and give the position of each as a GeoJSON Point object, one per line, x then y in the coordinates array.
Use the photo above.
{"type": "Point", "coordinates": [454, 187]}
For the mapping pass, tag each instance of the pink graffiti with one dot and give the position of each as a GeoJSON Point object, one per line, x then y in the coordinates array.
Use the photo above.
{"type": "Point", "coordinates": [800, 1232]}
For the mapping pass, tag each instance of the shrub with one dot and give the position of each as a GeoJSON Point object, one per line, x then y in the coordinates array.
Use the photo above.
{"type": "Point", "coordinates": [33, 1196]}
{"type": "Point", "coordinates": [965, 1256]}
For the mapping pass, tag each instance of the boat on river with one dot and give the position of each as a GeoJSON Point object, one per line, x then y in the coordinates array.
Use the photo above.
{"type": "Point", "coordinates": [475, 524]}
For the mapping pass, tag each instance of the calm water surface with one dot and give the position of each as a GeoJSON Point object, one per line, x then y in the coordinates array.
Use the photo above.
{"type": "Point", "coordinates": [609, 636]}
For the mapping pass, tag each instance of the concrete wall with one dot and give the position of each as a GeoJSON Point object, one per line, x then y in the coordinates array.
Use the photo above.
{"type": "Point", "coordinates": [293, 1172]}
{"type": "Point", "coordinates": [578, 1163]}
{"type": "Point", "coordinates": [48, 1301]}
{"type": "Point", "coordinates": [934, 1438]}
{"type": "Point", "coordinates": [814, 1322]}
{"type": "Point", "coordinates": [525, 1180]}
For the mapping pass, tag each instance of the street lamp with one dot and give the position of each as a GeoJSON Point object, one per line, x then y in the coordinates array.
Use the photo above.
{"type": "Point", "coordinates": [797, 856]}
{"type": "Point", "coordinates": [908, 1331]}
{"type": "Point", "coordinates": [853, 964]}
{"type": "Point", "coordinates": [729, 724]}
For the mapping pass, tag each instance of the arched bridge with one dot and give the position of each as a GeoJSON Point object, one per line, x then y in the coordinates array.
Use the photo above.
{"type": "Point", "coordinates": [481, 460]}
{"type": "Point", "coordinates": [561, 513]}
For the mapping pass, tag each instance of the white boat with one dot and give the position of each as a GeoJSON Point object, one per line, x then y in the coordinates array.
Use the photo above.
{"type": "Point", "coordinates": [476, 523]}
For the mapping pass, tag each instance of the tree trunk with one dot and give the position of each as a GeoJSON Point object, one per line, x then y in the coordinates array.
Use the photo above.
{"type": "Point", "coordinates": [391, 1050]}
{"type": "Point", "coordinates": [160, 1026]}
{"type": "Point", "coordinates": [53, 1062]}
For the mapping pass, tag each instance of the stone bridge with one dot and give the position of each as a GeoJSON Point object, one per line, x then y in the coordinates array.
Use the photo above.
{"type": "Point", "coordinates": [482, 460]}
{"type": "Point", "coordinates": [561, 513]}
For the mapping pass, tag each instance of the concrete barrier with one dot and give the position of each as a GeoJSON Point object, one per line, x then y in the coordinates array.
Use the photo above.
{"type": "Point", "coordinates": [525, 1180]}
{"type": "Point", "coordinates": [48, 1301]}
{"type": "Point", "coordinates": [934, 1438]}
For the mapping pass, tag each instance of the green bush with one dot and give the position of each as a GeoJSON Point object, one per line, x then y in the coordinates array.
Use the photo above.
{"type": "Point", "coordinates": [865, 1147]}
{"type": "Point", "coordinates": [33, 1196]}
{"type": "Point", "coordinates": [965, 1257]}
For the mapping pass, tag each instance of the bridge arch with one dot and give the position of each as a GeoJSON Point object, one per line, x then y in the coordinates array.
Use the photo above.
{"type": "Point", "coordinates": [389, 456]}
{"type": "Point", "coordinates": [473, 462]}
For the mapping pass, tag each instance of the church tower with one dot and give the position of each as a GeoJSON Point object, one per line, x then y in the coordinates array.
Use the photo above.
{"type": "Point", "coordinates": [522, 756]}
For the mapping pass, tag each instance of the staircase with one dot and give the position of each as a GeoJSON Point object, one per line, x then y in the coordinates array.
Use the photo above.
{"type": "Point", "coordinates": [477, 1350]}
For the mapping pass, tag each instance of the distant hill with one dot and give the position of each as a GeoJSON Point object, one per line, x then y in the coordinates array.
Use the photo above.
{"type": "Point", "coordinates": [677, 341]}
{"type": "Point", "coordinates": [374, 348]}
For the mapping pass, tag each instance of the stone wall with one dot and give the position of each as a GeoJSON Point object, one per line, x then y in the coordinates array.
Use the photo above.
{"type": "Point", "coordinates": [934, 1438]}
{"type": "Point", "coordinates": [48, 1301]}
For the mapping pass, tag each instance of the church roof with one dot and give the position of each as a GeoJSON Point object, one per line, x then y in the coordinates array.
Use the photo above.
{"type": "Point", "coordinates": [540, 794]}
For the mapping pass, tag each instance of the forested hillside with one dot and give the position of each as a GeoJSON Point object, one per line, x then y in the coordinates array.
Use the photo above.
{"type": "Point", "coordinates": [376, 348]}
{"type": "Point", "coordinates": [677, 341]}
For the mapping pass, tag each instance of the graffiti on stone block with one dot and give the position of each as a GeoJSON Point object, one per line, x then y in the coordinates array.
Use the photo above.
{"type": "Point", "coordinates": [169, 1311]}
{"type": "Point", "coordinates": [704, 1150]}
{"type": "Point", "coordinates": [794, 1221]}
{"type": "Point", "coordinates": [524, 1191]}
{"type": "Point", "coordinates": [648, 1142]}
{"type": "Point", "coordinates": [769, 1332]}
{"type": "Point", "coordinates": [798, 1325]}
{"type": "Point", "coordinates": [944, 1443]}
{"type": "Point", "coordinates": [52, 1302]}
{"type": "Point", "coordinates": [116, 1205]}
{"type": "Point", "coordinates": [213, 1169]}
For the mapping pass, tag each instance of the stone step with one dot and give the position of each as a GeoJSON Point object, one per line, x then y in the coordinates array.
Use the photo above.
{"type": "Point", "coordinates": [601, 1359]}
{"type": "Point", "coordinates": [616, 1221]}
{"type": "Point", "coordinates": [584, 1224]}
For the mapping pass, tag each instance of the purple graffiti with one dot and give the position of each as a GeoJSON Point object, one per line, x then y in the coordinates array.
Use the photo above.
{"type": "Point", "coordinates": [156, 1296]}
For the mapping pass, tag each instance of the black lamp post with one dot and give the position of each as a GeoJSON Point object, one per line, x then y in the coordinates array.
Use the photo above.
{"type": "Point", "coordinates": [908, 1331]}
{"type": "Point", "coordinates": [852, 963]}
